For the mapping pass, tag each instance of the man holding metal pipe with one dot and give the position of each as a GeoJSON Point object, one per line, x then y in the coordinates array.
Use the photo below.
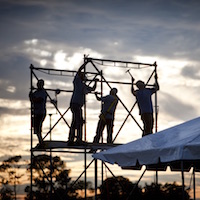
{"type": "Point", "coordinates": [76, 104]}
{"type": "Point", "coordinates": [106, 117]}
{"type": "Point", "coordinates": [143, 97]}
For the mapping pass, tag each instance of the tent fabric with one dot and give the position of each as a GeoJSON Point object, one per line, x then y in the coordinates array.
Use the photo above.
{"type": "Point", "coordinates": [181, 142]}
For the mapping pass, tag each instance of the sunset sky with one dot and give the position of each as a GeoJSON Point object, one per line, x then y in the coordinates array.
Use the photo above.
{"type": "Point", "coordinates": [57, 34]}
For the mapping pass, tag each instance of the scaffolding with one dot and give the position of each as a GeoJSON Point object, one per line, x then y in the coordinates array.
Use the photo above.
{"type": "Point", "coordinates": [91, 69]}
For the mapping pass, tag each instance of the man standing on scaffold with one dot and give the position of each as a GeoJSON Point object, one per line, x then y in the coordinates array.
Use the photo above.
{"type": "Point", "coordinates": [38, 99]}
{"type": "Point", "coordinates": [143, 97]}
{"type": "Point", "coordinates": [76, 104]}
{"type": "Point", "coordinates": [106, 117]}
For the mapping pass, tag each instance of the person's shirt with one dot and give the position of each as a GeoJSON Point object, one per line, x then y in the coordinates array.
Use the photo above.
{"type": "Point", "coordinates": [39, 98]}
{"type": "Point", "coordinates": [109, 106]}
{"type": "Point", "coordinates": [80, 89]}
{"type": "Point", "coordinates": [144, 101]}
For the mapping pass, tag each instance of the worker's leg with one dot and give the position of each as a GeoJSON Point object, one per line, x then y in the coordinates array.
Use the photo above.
{"type": "Point", "coordinates": [79, 125]}
{"type": "Point", "coordinates": [38, 121]}
{"type": "Point", "coordinates": [109, 123]}
{"type": "Point", "coordinates": [99, 131]}
{"type": "Point", "coordinates": [73, 123]}
{"type": "Point", "coordinates": [147, 119]}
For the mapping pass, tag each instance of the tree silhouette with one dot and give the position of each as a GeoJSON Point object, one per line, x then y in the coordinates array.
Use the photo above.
{"type": "Point", "coordinates": [63, 188]}
{"type": "Point", "coordinates": [10, 178]}
{"type": "Point", "coordinates": [80, 186]}
{"type": "Point", "coordinates": [44, 168]}
{"type": "Point", "coordinates": [119, 188]}
{"type": "Point", "coordinates": [174, 191]}
{"type": "Point", "coordinates": [164, 192]}
{"type": "Point", "coordinates": [153, 192]}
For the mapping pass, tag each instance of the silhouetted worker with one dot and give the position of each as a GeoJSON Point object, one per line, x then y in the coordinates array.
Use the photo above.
{"type": "Point", "coordinates": [143, 97]}
{"type": "Point", "coordinates": [38, 98]}
{"type": "Point", "coordinates": [77, 101]}
{"type": "Point", "coordinates": [106, 117]}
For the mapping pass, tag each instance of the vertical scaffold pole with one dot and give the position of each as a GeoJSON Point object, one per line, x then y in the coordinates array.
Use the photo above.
{"type": "Point", "coordinates": [31, 90]}
{"type": "Point", "coordinates": [156, 115]}
{"type": "Point", "coordinates": [85, 153]}
{"type": "Point", "coordinates": [102, 165]}
{"type": "Point", "coordinates": [156, 102]}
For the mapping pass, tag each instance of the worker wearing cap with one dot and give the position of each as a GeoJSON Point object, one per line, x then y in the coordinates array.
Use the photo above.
{"type": "Point", "coordinates": [143, 97]}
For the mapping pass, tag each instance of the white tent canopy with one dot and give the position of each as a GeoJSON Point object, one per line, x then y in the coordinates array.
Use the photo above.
{"type": "Point", "coordinates": [179, 143]}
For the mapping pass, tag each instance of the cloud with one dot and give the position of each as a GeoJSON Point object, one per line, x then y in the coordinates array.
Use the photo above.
{"type": "Point", "coordinates": [13, 112]}
{"type": "Point", "coordinates": [57, 34]}
{"type": "Point", "coordinates": [192, 72]}
{"type": "Point", "coordinates": [175, 108]}
{"type": "Point", "coordinates": [129, 24]}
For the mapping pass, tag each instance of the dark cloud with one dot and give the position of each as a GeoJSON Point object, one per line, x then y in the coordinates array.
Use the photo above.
{"type": "Point", "coordinates": [192, 72]}
{"type": "Point", "coordinates": [166, 27]}
{"type": "Point", "coordinates": [15, 73]}
{"type": "Point", "coordinates": [14, 112]}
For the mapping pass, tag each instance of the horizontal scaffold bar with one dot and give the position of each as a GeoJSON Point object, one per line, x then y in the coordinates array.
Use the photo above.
{"type": "Point", "coordinates": [54, 90]}
{"type": "Point", "coordinates": [119, 61]}
{"type": "Point", "coordinates": [118, 82]}
{"type": "Point", "coordinates": [59, 70]}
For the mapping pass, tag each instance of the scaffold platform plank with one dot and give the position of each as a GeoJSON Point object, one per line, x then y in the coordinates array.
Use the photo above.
{"type": "Point", "coordinates": [64, 144]}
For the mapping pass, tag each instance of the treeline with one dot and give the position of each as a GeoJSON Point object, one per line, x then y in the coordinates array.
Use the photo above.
{"type": "Point", "coordinates": [51, 180]}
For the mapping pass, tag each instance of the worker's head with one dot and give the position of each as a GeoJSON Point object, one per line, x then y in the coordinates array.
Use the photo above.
{"type": "Point", "coordinates": [140, 84]}
{"type": "Point", "coordinates": [82, 76]}
{"type": "Point", "coordinates": [40, 84]}
{"type": "Point", "coordinates": [113, 91]}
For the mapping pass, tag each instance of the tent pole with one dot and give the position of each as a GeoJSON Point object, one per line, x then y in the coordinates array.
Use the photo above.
{"type": "Point", "coordinates": [183, 181]}
{"type": "Point", "coordinates": [51, 163]}
{"type": "Point", "coordinates": [156, 177]}
{"type": "Point", "coordinates": [95, 181]}
{"type": "Point", "coordinates": [194, 184]}
{"type": "Point", "coordinates": [136, 184]}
